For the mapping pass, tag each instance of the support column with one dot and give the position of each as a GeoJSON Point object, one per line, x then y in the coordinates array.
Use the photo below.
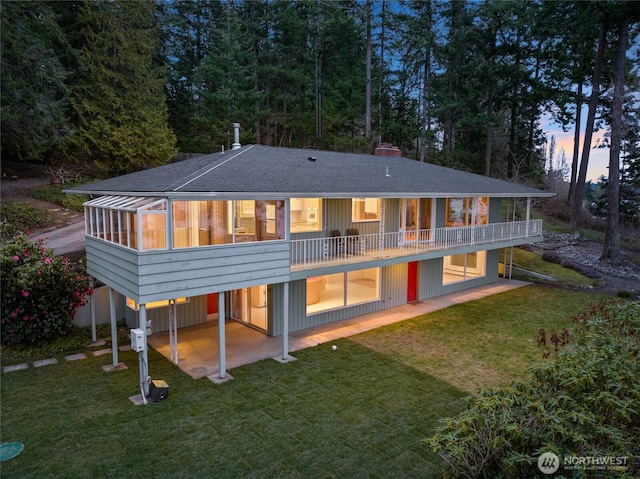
{"type": "Point", "coordinates": [380, 231]}
{"type": "Point", "coordinates": [92, 308]}
{"type": "Point", "coordinates": [285, 323]}
{"type": "Point", "coordinates": [173, 332]}
{"type": "Point", "coordinates": [528, 216]}
{"type": "Point", "coordinates": [143, 360]}
{"type": "Point", "coordinates": [114, 328]}
{"type": "Point", "coordinates": [222, 353]}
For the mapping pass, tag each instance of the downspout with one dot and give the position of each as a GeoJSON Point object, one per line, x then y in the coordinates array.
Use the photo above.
{"type": "Point", "coordinates": [236, 137]}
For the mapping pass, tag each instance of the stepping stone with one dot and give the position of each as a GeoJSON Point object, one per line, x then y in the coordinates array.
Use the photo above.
{"type": "Point", "coordinates": [44, 362]}
{"type": "Point", "coordinates": [97, 343]}
{"type": "Point", "coordinates": [102, 352]}
{"type": "Point", "coordinates": [15, 367]}
{"type": "Point", "coordinates": [126, 347]}
{"type": "Point", "coordinates": [76, 357]}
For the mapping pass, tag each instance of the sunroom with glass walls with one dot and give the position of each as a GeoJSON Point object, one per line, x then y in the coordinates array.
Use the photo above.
{"type": "Point", "coordinates": [191, 223]}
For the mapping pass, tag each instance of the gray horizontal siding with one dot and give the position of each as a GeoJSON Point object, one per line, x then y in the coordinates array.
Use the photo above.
{"type": "Point", "coordinates": [113, 265]}
{"type": "Point", "coordinates": [197, 271]}
{"type": "Point", "coordinates": [166, 274]}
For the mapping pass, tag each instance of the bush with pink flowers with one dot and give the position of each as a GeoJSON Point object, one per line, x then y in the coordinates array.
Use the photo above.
{"type": "Point", "coordinates": [40, 292]}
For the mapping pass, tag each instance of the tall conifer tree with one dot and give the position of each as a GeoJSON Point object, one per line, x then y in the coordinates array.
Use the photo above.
{"type": "Point", "coordinates": [34, 94]}
{"type": "Point", "coordinates": [119, 98]}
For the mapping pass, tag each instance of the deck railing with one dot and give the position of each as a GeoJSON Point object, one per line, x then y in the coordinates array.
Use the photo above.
{"type": "Point", "coordinates": [318, 252]}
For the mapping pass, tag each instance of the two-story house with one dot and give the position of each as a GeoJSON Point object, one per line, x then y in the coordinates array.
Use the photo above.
{"type": "Point", "coordinates": [286, 239]}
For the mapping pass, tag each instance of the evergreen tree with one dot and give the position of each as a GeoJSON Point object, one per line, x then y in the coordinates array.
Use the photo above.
{"type": "Point", "coordinates": [189, 31]}
{"type": "Point", "coordinates": [119, 98]}
{"type": "Point", "coordinates": [34, 97]}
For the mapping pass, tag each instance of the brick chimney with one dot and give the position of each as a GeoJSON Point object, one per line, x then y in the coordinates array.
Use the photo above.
{"type": "Point", "coordinates": [387, 149]}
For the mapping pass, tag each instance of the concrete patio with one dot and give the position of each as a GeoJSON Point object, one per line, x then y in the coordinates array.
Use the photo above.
{"type": "Point", "coordinates": [198, 345]}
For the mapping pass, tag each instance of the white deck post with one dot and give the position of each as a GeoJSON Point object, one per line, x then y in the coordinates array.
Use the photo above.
{"type": "Point", "coordinates": [114, 329]}
{"type": "Point", "coordinates": [381, 231]}
{"type": "Point", "coordinates": [285, 323]}
{"type": "Point", "coordinates": [143, 360]}
{"type": "Point", "coordinates": [222, 354]}
{"type": "Point", "coordinates": [92, 309]}
{"type": "Point", "coordinates": [173, 332]}
{"type": "Point", "coordinates": [528, 216]}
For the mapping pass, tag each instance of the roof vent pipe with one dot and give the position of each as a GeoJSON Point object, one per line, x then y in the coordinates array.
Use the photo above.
{"type": "Point", "coordinates": [236, 137]}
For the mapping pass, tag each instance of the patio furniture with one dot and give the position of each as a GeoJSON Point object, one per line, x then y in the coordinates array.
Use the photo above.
{"type": "Point", "coordinates": [352, 240]}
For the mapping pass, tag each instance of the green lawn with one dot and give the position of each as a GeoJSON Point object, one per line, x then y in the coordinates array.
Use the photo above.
{"type": "Point", "coordinates": [360, 411]}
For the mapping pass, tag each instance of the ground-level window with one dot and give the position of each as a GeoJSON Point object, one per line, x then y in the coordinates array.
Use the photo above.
{"type": "Point", "coordinates": [339, 290]}
{"type": "Point", "coordinates": [305, 215]}
{"type": "Point", "coordinates": [154, 304]}
{"type": "Point", "coordinates": [462, 267]}
{"type": "Point", "coordinates": [365, 209]}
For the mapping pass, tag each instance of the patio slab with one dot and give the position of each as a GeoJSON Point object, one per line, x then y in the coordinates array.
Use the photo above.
{"type": "Point", "coordinates": [198, 345]}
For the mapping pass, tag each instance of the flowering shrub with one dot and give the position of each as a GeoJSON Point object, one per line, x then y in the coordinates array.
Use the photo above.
{"type": "Point", "coordinates": [40, 292]}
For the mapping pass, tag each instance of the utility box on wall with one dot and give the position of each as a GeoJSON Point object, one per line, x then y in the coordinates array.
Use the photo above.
{"type": "Point", "coordinates": [137, 340]}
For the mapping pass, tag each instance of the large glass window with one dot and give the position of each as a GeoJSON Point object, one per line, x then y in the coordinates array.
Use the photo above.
{"type": "Point", "coordinates": [203, 223]}
{"type": "Point", "coordinates": [154, 231]}
{"type": "Point", "coordinates": [270, 222]}
{"type": "Point", "coordinates": [462, 267]}
{"type": "Point", "coordinates": [335, 291]}
{"type": "Point", "coordinates": [365, 209]}
{"type": "Point", "coordinates": [416, 215]}
{"type": "Point", "coordinates": [467, 211]}
{"type": "Point", "coordinates": [305, 215]}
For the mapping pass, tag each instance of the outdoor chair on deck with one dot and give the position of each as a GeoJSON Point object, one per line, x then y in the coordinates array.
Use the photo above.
{"type": "Point", "coordinates": [338, 244]}
{"type": "Point", "coordinates": [352, 241]}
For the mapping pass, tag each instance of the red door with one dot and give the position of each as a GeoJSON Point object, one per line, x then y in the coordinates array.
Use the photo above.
{"type": "Point", "coordinates": [212, 303]}
{"type": "Point", "coordinates": [412, 281]}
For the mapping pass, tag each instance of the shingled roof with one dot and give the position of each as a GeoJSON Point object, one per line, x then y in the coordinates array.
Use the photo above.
{"type": "Point", "coordinates": [265, 171]}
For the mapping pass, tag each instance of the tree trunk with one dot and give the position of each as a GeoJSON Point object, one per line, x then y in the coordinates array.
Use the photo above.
{"type": "Point", "coordinates": [576, 206]}
{"type": "Point", "coordinates": [611, 249]}
{"type": "Point", "coordinates": [487, 153]}
{"type": "Point", "coordinates": [576, 144]}
{"type": "Point", "coordinates": [367, 115]}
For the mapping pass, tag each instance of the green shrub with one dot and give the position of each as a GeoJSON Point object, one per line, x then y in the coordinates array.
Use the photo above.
{"type": "Point", "coordinates": [17, 216]}
{"type": "Point", "coordinates": [54, 194]}
{"type": "Point", "coordinates": [40, 292]}
{"type": "Point", "coordinates": [583, 403]}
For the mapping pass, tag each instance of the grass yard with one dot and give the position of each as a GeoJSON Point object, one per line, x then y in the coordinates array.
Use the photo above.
{"type": "Point", "coordinates": [360, 411]}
